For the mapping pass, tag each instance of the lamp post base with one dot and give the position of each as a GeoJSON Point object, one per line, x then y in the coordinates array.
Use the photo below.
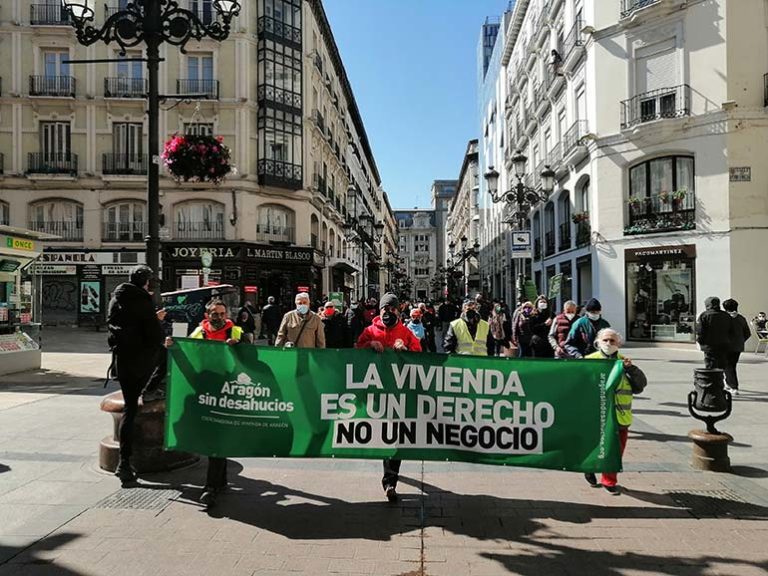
{"type": "Point", "coordinates": [710, 451]}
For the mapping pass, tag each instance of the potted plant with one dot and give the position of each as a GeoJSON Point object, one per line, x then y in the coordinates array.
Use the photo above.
{"type": "Point", "coordinates": [579, 217]}
{"type": "Point", "coordinates": [665, 197]}
{"type": "Point", "coordinates": [678, 197]}
{"type": "Point", "coordinates": [198, 158]}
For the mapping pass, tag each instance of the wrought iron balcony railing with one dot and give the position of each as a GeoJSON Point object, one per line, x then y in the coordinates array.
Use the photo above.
{"type": "Point", "coordinates": [278, 173]}
{"type": "Point", "coordinates": [125, 87]}
{"type": "Point", "coordinates": [278, 30]}
{"type": "Point", "coordinates": [51, 163]}
{"type": "Point", "coordinates": [134, 231]}
{"type": "Point", "coordinates": [549, 243]}
{"type": "Point", "coordinates": [207, 88]}
{"type": "Point", "coordinates": [565, 236]}
{"type": "Point", "coordinates": [271, 233]}
{"type": "Point", "coordinates": [60, 86]}
{"type": "Point", "coordinates": [124, 164]}
{"type": "Point", "coordinates": [663, 212]}
{"type": "Point", "coordinates": [583, 233]}
{"type": "Point", "coordinates": [673, 102]}
{"type": "Point", "coordinates": [537, 248]}
{"type": "Point", "coordinates": [67, 230]}
{"type": "Point", "coordinates": [573, 136]}
{"type": "Point", "coordinates": [50, 14]}
{"type": "Point", "coordinates": [573, 39]}
{"type": "Point", "coordinates": [207, 230]}
{"type": "Point", "coordinates": [630, 6]}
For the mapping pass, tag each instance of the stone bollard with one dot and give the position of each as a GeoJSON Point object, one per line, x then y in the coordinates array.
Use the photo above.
{"type": "Point", "coordinates": [710, 403]}
{"type": "Point", "coordinates": [710, 451]}
{"type": "Point", "coordinates": [149, 428]}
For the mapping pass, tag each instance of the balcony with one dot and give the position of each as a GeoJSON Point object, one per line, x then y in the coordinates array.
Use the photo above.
{"type": "Point", "coordinates": [573, 40]}
{"type": "Point", "coordinates": [630, 6]}
{"type": "Point", "coordinates": [565, 236]}
{"type": "Point", "coordinates": [319, 183]}
{"type": "Point", "coordinates": [663, 212]}
{"type": "Point", "coordinates": [583, 233]}
{"type": "Point", "coordinates": [537, 248]}
{"type": "Point", "coordinates": [319, 120]}
{"type": "Point", "coordinates": [549, 243]}
{"type": "Point", "coordinates": [123, 231]}
{"type": "Point", "coordinates": [279, 96]}
{"type": "Point", "coordinates": [57, 86]}
{"type": "Point", "coordinates": [275, 234]}
{"type": "Point", "coordinates": [124, 164]}
{"type": "Point", "coordinates": [41, 163]}
{"type": "Point", "coordinates": [276, 30]}
{"type": "Point", "coordinates": [125, 88]}
{"type": "Point", "coordinates": [572, 137]}
{"type": "Point", "coordinates": [199, 230]}
{"type": "Point", "coordinates": [207, 88]}
{"type": "Point", "coordinates": [66, 230]}
{"type": "Point", "coordinates": [674, 102]}
{"type": "Point", "coordinates": [280, 174]}
{"type": "Point", "coordinates": [51, 14]}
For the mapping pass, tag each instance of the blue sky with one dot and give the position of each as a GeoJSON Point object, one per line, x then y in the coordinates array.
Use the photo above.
{"type": "Point", "coordinates": [412, 66]}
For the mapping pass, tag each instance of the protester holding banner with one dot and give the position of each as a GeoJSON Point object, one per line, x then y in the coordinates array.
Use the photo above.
{"type": "Point", "coordinates": [387, 331]}
{"type": "Point", "coordinates": [581, 338]}
{"type": "Point", "coordinates": [561, 327]}
{"type": "Point", "coordinates": [469, 334]}
{"type": "Point", "coordinates": [301, 328]}
{"type": "Point", "coordinates": [608, 342]}
{"type": "Point", "coordinates": [335, 326]}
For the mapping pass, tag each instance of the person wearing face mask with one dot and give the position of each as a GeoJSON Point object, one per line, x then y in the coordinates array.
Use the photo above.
{"type": "Point", "coordinates": [608, 342]}
{"type": "Point", "coordinates": [540, 324]}
{"type": "Point", "coordinates": [335, 326]}
{"type": "Point", "coordinates": [581, 338]}
{"type": "Point", "coordinates": [761, 324]}
{"type": "Point", "coordinates": [387, 331]}
{"type": "Point", "coordinates": [469, 334]}
{"type": "Point", "coordinates": [301, 328]}
{"type": "Point", "coordinates": [416, 325]}
{"type": "Point", "coordinates": [561, 326]}
{"type": "Point", "coordinates": [740, 333]}
{"type": "Point", "coordinates": [499, 326]}
{"type": "Point", "coordinates": [522, 330]}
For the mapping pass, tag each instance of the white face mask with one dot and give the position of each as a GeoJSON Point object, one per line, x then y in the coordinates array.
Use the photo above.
{"type": "Point", "coordinates": [570, 315]}
{"type": "Point", "coordinates": [607, 349]}
{"type": "Point", "coordinates": [733, 314]}
{"type": "Point", "coordinates": [542, 305]}
{"type": "Point", "coordinates": [593, 315]}
{"type": "Point", "coordinates": [302, 308]}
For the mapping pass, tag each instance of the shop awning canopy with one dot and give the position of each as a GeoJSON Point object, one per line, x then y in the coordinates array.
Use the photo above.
{"type": "Point", "coordinates": [13, 231]}
{"type": "Point", "coordinates": [343, 264]}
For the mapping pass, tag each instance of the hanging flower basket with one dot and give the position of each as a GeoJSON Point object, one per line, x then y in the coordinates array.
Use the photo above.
{"type": "Point", "coordinates": [198, 158]}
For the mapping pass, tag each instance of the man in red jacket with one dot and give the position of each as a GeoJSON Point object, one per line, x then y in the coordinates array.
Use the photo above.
{"type": "Point", "coordinates": [386, 331]}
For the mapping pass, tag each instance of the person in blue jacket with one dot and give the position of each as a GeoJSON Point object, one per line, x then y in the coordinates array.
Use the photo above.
{"type": "Point", "coordinates": [581, 338]}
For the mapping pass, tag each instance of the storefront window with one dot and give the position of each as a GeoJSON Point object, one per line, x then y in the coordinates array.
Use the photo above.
{"type": "Point", "coordinates": [661, 294]}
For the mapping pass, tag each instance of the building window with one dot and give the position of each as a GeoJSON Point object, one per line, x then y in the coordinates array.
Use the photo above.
{"type": "Point", "coordinates": [199, 220]}
{"type": "Point", "coordinates": [421, 271]}
{"type": "Point", "coordinates": [63, 218]}
{"type": "Point", "coordinates": [5, 214]}
{"type": "Point", "coordinates": [55, 156]}
{"type": "Point", "coordinates": [127, 155]}
{"type": "Point", "coordinates": [275, 223]}
{"type": "Point", "coordinates": [200, 78]}
{"type": "Point", "coordinates": [124, 222]}
{"type": "Point", "coordinates": [198, 128]}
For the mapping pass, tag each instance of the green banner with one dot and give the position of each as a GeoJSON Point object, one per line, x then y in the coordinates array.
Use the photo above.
{"type": "Point", "coordinates": [243, 401]}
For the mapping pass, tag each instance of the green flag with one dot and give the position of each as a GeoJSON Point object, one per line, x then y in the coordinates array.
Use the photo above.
{"type": "Point", "coordinates": [244, 401]}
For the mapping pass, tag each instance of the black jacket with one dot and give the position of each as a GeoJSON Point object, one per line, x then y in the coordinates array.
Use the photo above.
{"type": "Point", "coordinates": [448, 312]}
{"type": "Point", "coordinates": [740, 333]}
{"type": "Point", "coordinates": [134, 329]}
{"type": "Point", "coordinates": [355, 325]}
{"type": "Point", "coordinates": [335, 330]}
{"type": "Point", "coordinates": [713, 330]}
{"type": "Point", "coordinates": [271, 317]}
{"type": "Point", "coordinates": [246, 320]}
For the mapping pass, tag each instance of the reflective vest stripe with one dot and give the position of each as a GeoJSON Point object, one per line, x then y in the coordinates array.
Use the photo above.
{"type": "Point", "coordinates": [622, 396]}
{"type": "Point", "coordinates": [465, 343]}
{"type": "Point", "coordinates": [235, 332]}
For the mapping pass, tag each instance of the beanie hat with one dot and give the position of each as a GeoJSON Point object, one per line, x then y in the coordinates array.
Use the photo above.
{"type": "Point", "coordinates": [593, 305]}
{"type": "Point", "coordinates": [140, 275]}
{"type": "Point", "coordinates": [388, 300]}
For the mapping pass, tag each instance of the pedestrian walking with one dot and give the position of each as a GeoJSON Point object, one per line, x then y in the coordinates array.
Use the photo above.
{"type": "Point", "coordinates": [416, 326]}
{"type": "Point", "coordinates": [581, 338]}
{"type": "Point", "coordinates": [135, 338]}
{"type": "Point", "coordinates": [740, 333]}
{"type": "Point", "coordinates": [713, 333]}
{"type": "Point", "coordinates": [447, 313]}
{"type": "Point", "coordinates": [429, 320]}
{"type": "Point", "coordinates": [522, 330]}
{"type": "Point", "coordinates": [561, 327]}
{"type": "Point", "coordinates": [498, 323]}
{"type": "Point", "coordinates": [301, 328]}
{"type": "Point", "coordinates": [246, 319]}
{"type": "Point", "coordinates": [469, 334]}
{"type": "Point", "coordinates": [335, 326]}
{"type": "Point", "coordinates": [270, 320]}
{"type": "Point", "coordinates": [387, 331]}
{"type": "Point", "coordinates": [541, 321]}
{"type": "Point", "coordinates": [608, 342]}
{"type": "Point", "coordinates": [355, 323]}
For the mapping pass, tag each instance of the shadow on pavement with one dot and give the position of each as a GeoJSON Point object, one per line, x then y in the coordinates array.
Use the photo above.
{"type": "Point", "coordinates": [53, 382]}
{"type": "Point", "coordinates": [4, 468]}
{"type": "Point", "coordinates": [24, 556]}
{"type": "Point", "coordinates": [661, 437]}
{"type": "Point", "coordinates": [75, 340]}
{"type": "Point", "coordinates": [749, 472]}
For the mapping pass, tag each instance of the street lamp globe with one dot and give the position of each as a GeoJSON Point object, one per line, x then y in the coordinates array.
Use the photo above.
{"type": "Point", "coordinates": [227, 8]}
{"type": "Point", "coordinates": [80, 10]}
{"type": "Point", "coordinates": [548, 179]}
{"type": "Point", "coordinates": [464, 242]}
{"type": "Point", "coordinates": [519, 161]}
{"type": "Point", "coordinates": [492, 178]}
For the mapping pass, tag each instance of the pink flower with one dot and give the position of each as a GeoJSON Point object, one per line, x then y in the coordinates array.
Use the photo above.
{"type": "Point", "coordinates": [219, 139]}
{"type": "Point", "coordinates": [215, 149]}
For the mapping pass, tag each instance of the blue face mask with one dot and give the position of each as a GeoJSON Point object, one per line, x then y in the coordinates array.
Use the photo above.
{"type": "Point", "coordinates": [302, 308]}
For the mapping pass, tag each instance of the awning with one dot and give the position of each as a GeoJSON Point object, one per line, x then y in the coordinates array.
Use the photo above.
{"type": "Point", "coordinates": [342, 264]}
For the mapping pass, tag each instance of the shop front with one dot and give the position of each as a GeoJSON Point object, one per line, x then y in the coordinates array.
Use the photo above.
{"type": "Point", "coordinates": [19, 331]}
{"type": "Point", "coordinates": [661, 293]}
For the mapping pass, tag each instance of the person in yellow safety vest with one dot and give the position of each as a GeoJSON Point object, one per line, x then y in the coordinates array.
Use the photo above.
{"type": "Point", "coordinates": [608, 342]}
{"type": "Point", "coordinates": [469, 334]}
{"type": "Point", "coordinates": [216, 326]}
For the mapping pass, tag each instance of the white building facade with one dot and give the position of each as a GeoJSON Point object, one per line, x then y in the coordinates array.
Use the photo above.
{"type": "Point", "coordinates": [417, 250]}
{"type": "Point", "coordinates": [653, 116]}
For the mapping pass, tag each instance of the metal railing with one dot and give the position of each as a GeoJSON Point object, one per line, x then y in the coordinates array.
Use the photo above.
{"type": "Point", "coordinates": [630, 6]}
{"type": "Point", "coordinates": [549, 243]}
{"type": "Point", "coordinates": [672, 102]}
{"type": "Point", "coordinates": [556, 155]}
{"type": "Point", "coordinates": [208, 88]}
{"type": "Point", "coordinates": [583, 233]}
{"type": "Point", "coordinates": [52, 86]}
{"type": "Point", "coordinates": [270, 233]}
{"type": "Point", "coordinates": [210, 230]}
{"type": "Point", "coordinates": [279, 173]}
{"type": "Point", "coordinates": [282, 31]}
{"type": "Point", "coordinates": [48, 14]}
{"type": "Point", "coordinates": [537, 248]}
{"type": "Point", "coordinates": [134, 231]}
{"type": "Point", "coordinates": [573, 39]}
{"type": "Point", "coordinates": [128, 164]}
{"type": "Point", "coordinates": [663, 212]}
{"type": "Point", "coordinates": [125, 87]}
{"type": "Point", "coordinates": [319, 120]}
{"type": "Point", "coordinates": [565, 236]}
{"type": "Point", "coordinates": [573, 136]}
{"type": "Point", "coordinates": [67, 230]}
{"type": "Point", "coordinates": [51, 163]}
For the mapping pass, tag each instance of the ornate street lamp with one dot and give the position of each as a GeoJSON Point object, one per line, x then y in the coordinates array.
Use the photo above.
{"type": "Point", "coordinates": [151, 22]}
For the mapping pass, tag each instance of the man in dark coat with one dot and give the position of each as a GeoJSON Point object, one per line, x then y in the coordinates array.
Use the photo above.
{"type": "Point", "coordinates": [335, 326]}
{"type": "Point", "coordinates": [270, 320]}
{"type": "Point", "coordinates": [713, 333]}
{"type": "Point", "coordinates": [135, 338]}
{"type": "Point", "coordinates": [355, 323]}
{"type": "Point", "coordinates": [447, 313]}
{"type": "Point", "coordinates": [246, 319]}
{"type": "Point", "coordinates": [740, 333]}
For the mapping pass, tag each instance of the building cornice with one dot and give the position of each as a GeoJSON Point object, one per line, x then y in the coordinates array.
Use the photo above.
{"type": "Point", "coordinates": [513, 29]}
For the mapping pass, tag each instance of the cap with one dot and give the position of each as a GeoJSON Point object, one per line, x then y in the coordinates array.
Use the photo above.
{"type": "Point", "coordinates": [140, 275]}
{"type": "Point", "coordinates": [329, 304]}
{"type": "Point", "coordinates": [388, 300]}
{"type": "Point", "coordinates": [593, 305]}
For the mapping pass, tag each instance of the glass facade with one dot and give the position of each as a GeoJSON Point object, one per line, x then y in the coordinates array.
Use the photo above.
{"type": "Point", "coordinates": [280, 94]}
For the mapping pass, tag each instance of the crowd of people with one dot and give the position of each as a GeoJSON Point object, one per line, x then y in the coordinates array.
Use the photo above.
{"type": "Point", "coordinates": [478, 327]}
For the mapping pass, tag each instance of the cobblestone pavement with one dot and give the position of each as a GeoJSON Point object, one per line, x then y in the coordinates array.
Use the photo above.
{"type": "Point", "coordinates": [59, 515]}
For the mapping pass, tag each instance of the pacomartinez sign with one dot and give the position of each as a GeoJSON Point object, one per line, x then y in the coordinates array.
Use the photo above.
{"type": "Point", "coordinates": [245, 401]}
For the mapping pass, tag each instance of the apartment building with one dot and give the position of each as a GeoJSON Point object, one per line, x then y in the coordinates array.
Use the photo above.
{"type": "Point", "coordinates": [73, 158]}
{"type": "Point", "coordinates": [652, 114]}
{"type": "Point", "coordinates": [417, 250]}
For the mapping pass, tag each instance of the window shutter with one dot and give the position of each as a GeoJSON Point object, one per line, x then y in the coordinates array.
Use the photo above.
{"type": "Point", "coordinates": [657, 67]}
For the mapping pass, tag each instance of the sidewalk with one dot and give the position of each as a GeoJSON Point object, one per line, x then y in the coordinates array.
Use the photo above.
{"type": "Point", "coordinates": [59, 515]}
